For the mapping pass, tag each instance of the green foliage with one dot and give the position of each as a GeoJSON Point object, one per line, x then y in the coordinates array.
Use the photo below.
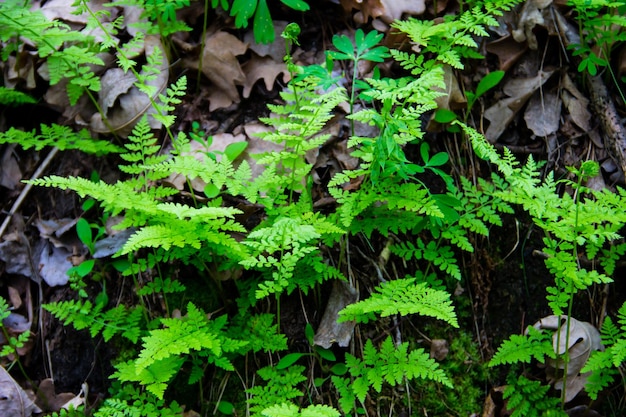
{"type": "Point", "coordinates": [263, 26]}
{"type": "Point", "coordinates": [529, 398]}
{"type": "Point", "coordinates": [51, 40]}
{"type": "Point", "coordinates": [12, 343]}
{"type": "Point", "coordinates": [601, 26]}
{"type": "Point", "coordinates": [403, 296]}
{"type": "Point", "coordinates": [523, 348]}
{"type": "Point", "coordinates": [85, 315]}
{"type": "Point", "coordinates": [12, 97]}
{"type": "Point", "coordinates": [280, 387]}
{"type": "Point", "coordinates": [61, 137]}
{"type": "Point", "coordinates": [605, 364]}
{"type": "Point", "coordinates": [129, 401]}
{"type": "Point", "coordinates": [291, 410]}
{"type": "Point", "coordinates": [391, 364]}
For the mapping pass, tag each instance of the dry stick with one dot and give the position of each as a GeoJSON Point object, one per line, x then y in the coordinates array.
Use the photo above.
{"type": "Point", "coordinates": [602, 105]}
{"type": "Point", "coordinates": [26, 190]}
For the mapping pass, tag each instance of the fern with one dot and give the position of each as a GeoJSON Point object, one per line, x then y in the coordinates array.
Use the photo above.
{"type": "Point", "coordinates": [291, 410]}
{"type": "Point", "coordinates": [162, 349]}
{"type": "Point", "coordinates": [61, 137]}
{"type": "Point", "coordinates": [390, 364]}
{"type": "Point", "coordinates": [128, 401]}
{"type": "Point", "coordinates": [84, 315]}
{"type": "Point", "coordinates": [280, 387]}
{"type": "Point", "coordinates": [72, 62]}
{"type": "Point", "coordinates": [530, 398]}
{"type": "Point", "coordinates": [12, 97]}
{"type": "Point", "coordinates": [403, 296]}
{"type": "Point", "coordinates": [523, 348]}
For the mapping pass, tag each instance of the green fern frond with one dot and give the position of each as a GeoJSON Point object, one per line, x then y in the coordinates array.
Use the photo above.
{"type": "Point", "coordinates": [84, 315]}
{"type": "Point", "coordinates": [61, 137]}
{"type": "Point", "coordinates": [390, 364]}
{"type": "Point", "coordinates": [292, 410]}
{"type": "Point", "coordinates": [403, 296]}
{"type": "Point", "coordinates": [12, 97]}
{"type": "Point", "coordinates": [280, 387]}
{"type": "Point", "coordinates": [523, 348]}
{"type": "Point", "coordinates": [527, 398]}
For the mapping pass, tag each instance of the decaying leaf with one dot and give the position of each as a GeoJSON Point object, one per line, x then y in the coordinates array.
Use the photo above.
{"type": "Point", "coordinates": [10, 173]}
{"type": "Point", "coordinates": [387, 10]}
{"type": "Point", "coordinates": [329, 330]}
{"type": "Point", "coordinates": [543, 113]}
{"type": "Point", "coordinates": [14, 401]}
{"type": "Point", "coordinates": [519, 91]}
{"type": "Point", "coordinates": [267, 69]}
{"type": "Point", "coordinates": [220, 65]}
{"type": "Point", "coordinates": [530, 16]}
{"type": "Point", "coordinates": [508, 51]}
{"type": "Point", "coordinates": [583, 339]}
{"type": "Point", "coordinates": [124, 107]}
{"type": "Point", "coordinates": [576, 104]}
{"type": "Point", "coordinates": [48, 399]}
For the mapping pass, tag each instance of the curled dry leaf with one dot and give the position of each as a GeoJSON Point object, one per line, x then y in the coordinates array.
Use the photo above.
{"type": "Point", "coordinates": [124, 107]}
{"type": "Point", "coordinates": [576, 104]}
{"type": "Point", "coordinates": [583, 339]}
{"type": "Point", "coordinates": [531, 16]}
{"type": "Point", "coordinates": [14, 401]}
{"type": "Point", "coordinates": [265, 68]}
{"type": "Point", "coordinates": [329, 330]}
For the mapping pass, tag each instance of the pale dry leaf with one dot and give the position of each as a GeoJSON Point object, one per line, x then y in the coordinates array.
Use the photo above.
{"type": "Point", "coordinates": [576, 104]}
{"type": "Point", "coordinates": [263, 68]}
{"type": "Point", "coordinates": [543, 113]}
{"type": "Point", "coordinates": [583, 339]}
{"type": "Point", "coordinates": [130, 107]}
{"type": "Point", "coordinates": [10, 173]}
{"type": "Point", "coordinates": [14, 401]}
{"type": "Point", "coordinates": [368, 8]}
{"type": "Point", "coordinates": [530, 16]}
{"type": "Point", "coordinates": [54, 264]}
{"type": "Point", "coordinates": [113, 84]}
{"type": "Point", "coordinates": [330, 331]}
{"type": "Point", "coordinates": [394, 9]}
{"type": "Point", "coordinates": [257, 145]}
{"type": "Point", "coordinates": [64, 10]}
{"type": "Point", "coordinates": [220, 64]}
{"type": "Point", "coordinates": [519, 91]}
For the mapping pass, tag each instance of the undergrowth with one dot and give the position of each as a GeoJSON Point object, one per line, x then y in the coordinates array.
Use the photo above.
{"type": "Point", "coordinates": [294, 250]}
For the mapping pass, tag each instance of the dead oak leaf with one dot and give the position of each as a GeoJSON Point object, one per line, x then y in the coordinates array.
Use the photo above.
{"type": "Point", "coordinates": [220, 64]}
{"type": "Point", "coordinates": [265, 68]}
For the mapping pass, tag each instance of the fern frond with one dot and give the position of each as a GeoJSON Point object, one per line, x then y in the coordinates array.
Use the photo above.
{"type": "Point", "coordinates": [280, 387]}
{"type": "Point", "coordinates": [523, 348]}
{"type": "Point", "coordinates": [84, 315]}
{"type": "Point", "coordinates": [292, 410]}
{"type": "Point", "coordinates": [403, 296]}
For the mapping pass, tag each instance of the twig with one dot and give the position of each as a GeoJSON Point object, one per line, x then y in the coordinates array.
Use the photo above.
{"type": "Point", "coordinates": [26, 190]}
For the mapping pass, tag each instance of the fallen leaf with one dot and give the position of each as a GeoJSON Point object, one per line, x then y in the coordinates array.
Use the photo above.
{"type": "Point", "coordinates": [583, 339]}
{"type": "Point", "coordinates": [508, 51]}
{"type": "Point", "coordinates": [543, 113]}
{"type": "Point", "coordinates": [329, 330]}
{"type": "Point", "coordinates": [576, 104]}
{"type": "Point", "coordinates": [519, 91]}
{"type": "Point", "coordinates": [220, 65]}
{"type": "Point", "coordinates": [14, 402]}
{"type": "Point", "coordinates": [48, 399]}
{"type": "Point", "coordinates": [274, 50]}
{"type": "Point", "coordinates": [530, 16]}
{"type": "Point", "coordinates": [129, 107]}
{"type": "Point", "coordinates": [267, 69]}
{"type": "Point", "coordinates": [10, 173]}
{"type": "Point", "coordinates": [54, 263]}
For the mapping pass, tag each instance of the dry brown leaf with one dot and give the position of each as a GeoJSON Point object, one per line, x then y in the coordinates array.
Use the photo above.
{"type": "Point", "coordinates": [530, 16]}
{"type": "Point", "coordinates": [220, 65]}
{"type": "Point", "coordinates": [576, 104]}
{"type": "Point", "coordinates": [131, 106]}
{"type": "Point", "coordinates": [14, 401]}
{"type": "Point", "coordinates": [10, 173]}
{"type": "Point", "coordinates": [265, 68]}
{"type": "Point", "coordinates": [276, 49]}
{"type": "Point", "coordinates": [387, 10]}
{"type": "Point", "coordinates": [368, 8]}
{"type": "Point", "coordinates": [48, 399]}
{"type": "Point", "coordinates": [64, 10]}
{"type": "Point", "coordinates": [508, 51]}
{"type": "Point", "coordinates": [330, 330]}
{"type": "Point", "coordinates": [519, 91]}
{"type": "Point", "coordinates": [543, 113]}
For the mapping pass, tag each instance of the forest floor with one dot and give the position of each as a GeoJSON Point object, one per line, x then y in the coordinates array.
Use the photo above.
{"type": "Point", "coordinates": [543, 107]}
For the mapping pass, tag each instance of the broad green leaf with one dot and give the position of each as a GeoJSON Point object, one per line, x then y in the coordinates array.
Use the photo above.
{"type": "Point", "coordinates": [263, 24]}
{"type": "Point", "coordinates": [289, 360]}
{"type": "Point", "coordinates": [211, 191]}
{"type": "Point", "coordinates": [299, 5]}
{"type": "Point", "coordinates": [488, 82]}
{"type": "Point", "coordinates": [233, 150]}
{"type": "Point", "coordinates": [226, 407]}
{"type": "Point", "coordinates": [438, 159]}
{"type": "Point", "coordinates": [444, 116]}
{"type": "Point", "coordinates": [325, 354]}
{"type": "Point", "coordinates": [243, 11]}
{"type": "Point", "coordinates": [83, 229]}
{"type": "Point", "coordinates": [343, 44]}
